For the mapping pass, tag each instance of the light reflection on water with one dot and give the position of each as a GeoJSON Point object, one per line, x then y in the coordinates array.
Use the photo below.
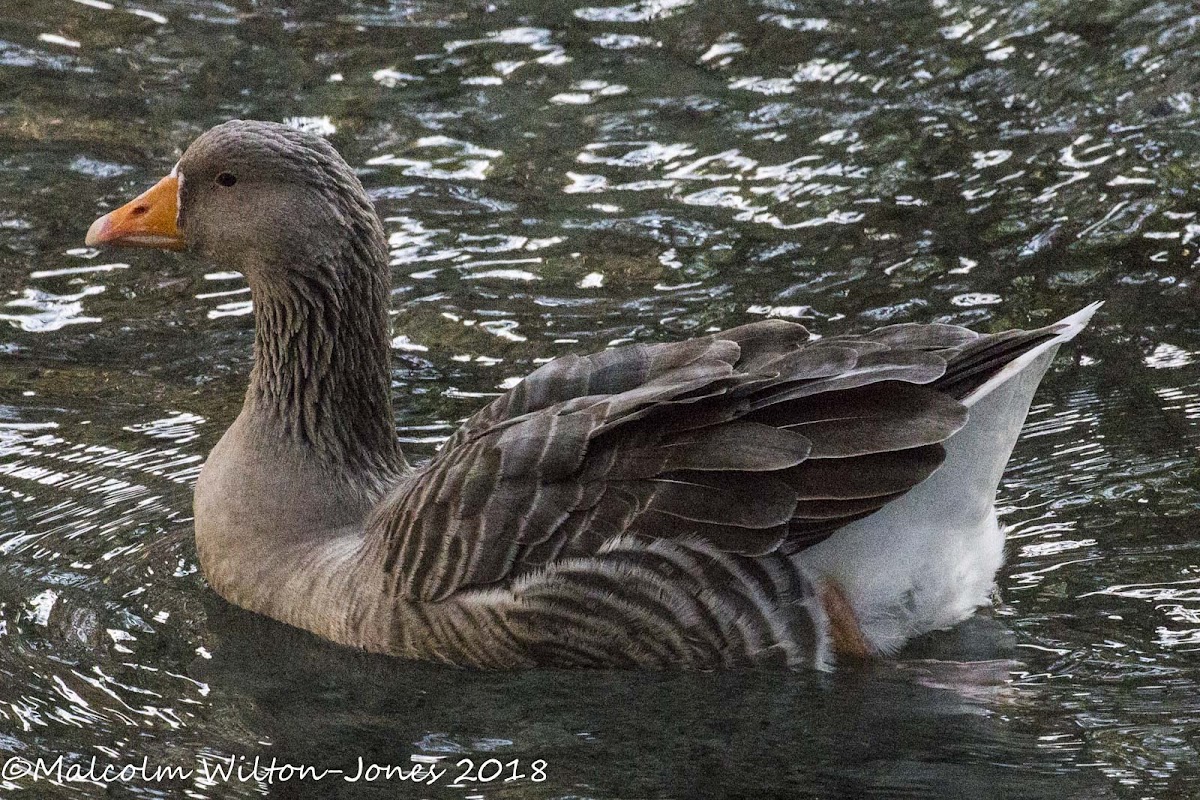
{"type": "Point", "coordinates": [555, 178]}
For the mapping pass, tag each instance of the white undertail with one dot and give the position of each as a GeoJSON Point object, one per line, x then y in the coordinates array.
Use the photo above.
{"type": "Point", "coordinates": [927, 560]}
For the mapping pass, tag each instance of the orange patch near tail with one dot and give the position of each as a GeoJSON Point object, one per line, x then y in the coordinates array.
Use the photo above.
{"type": "Point", "coordinates": [844, 630]}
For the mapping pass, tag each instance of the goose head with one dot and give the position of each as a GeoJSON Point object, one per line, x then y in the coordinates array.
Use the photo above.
{"type": "Point", "coordinates": [265, 199]}
{"type": "Point", "coordinates": [284, 209]}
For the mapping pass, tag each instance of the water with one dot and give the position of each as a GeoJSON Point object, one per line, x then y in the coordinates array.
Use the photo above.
{"type": "Point", "coordinates": [557, 177]}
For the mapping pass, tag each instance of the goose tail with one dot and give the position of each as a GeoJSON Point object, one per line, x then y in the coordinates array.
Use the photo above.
{"type": "Point", "coordinates": [1064, 331]}
{"type": "Point", "coordinates": [927, 560]}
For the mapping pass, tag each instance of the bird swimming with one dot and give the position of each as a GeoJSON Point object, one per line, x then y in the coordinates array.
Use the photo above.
{"type": "Point", "coordinates": [756, 496]}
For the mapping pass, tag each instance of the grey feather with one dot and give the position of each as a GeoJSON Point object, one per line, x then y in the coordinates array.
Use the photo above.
{"type": "Point", "coordinates": [747, 442]}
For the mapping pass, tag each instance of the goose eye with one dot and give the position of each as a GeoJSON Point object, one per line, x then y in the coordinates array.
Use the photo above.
{"type": "Point", "coordinates": [227, 179]}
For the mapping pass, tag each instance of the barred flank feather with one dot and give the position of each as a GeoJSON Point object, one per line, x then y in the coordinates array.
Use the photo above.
{"type": "Point", "coordinates": [639, 602]}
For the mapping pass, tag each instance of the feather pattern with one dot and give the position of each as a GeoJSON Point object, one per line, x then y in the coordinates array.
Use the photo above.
{"type": "Point", "coordinates": [645, 504]}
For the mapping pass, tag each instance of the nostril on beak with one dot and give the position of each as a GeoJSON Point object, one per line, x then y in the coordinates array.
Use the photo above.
{"type": "Point", "coordinates": [139, 210]}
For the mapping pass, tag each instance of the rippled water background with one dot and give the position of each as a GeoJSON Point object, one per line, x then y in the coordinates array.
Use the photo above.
{"type": "Point", "coordinates": [556, 177]}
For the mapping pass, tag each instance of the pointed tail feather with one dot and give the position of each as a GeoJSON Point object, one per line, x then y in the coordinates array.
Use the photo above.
{"type": "Point", "coordinates": [1064, 330]}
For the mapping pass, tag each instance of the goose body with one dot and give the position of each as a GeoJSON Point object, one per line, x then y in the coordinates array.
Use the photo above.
{"type": "Point", "coordinates": [755, 496]}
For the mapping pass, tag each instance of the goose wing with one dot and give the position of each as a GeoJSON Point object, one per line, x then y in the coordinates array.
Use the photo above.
{"type": "Point", "coordinates": [751, 440]}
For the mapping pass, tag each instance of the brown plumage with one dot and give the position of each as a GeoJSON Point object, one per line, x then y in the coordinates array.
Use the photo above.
{"type": "Point", "coordinates": [650, 505]}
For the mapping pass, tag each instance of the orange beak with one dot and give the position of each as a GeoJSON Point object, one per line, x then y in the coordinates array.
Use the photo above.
{"type": "Point", "coordinates": [146, 221]}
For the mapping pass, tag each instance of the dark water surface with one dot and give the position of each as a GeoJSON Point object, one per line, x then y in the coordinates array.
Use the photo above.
{"type": "Point", "coordinates": [555, 178]}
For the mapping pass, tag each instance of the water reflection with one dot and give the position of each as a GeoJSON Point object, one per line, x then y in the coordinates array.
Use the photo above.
{"type": "Point", "coordinates": [881, 732]}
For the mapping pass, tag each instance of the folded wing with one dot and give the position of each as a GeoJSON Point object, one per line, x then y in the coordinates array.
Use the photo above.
{"type": "Point", "coordinates": [753, 440]}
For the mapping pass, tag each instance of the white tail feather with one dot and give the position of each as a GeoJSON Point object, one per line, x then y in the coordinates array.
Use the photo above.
{"type": "Point", "coordinates": [927, 560]}
{"type": "Point", "coordinates": [1071, 326]}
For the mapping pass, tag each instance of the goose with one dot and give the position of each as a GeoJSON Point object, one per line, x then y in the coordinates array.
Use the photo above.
{"type": "Point", "coordinates": [758, 496]}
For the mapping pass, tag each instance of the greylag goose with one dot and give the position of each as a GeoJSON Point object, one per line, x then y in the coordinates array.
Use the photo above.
{"type": "Point", "coordinates": [752, 497]}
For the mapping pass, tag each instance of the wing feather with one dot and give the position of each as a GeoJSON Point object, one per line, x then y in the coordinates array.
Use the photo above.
{"type": "Point", "coordinates": [754, 440]}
